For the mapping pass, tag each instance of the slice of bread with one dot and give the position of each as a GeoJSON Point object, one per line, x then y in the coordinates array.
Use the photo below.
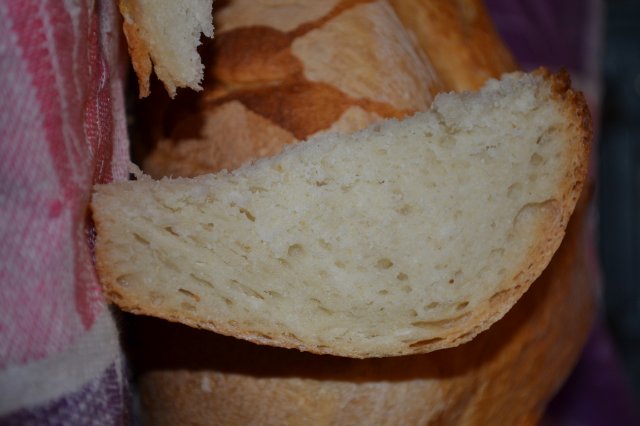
{"type": "Point", "coordinates": [406, 237]}
{"type": "Point", "coordinates": [163, 35]}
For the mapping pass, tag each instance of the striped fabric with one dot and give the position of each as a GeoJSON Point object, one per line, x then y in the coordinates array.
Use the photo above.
{"type": "Point", "coordinates": [62, 128]}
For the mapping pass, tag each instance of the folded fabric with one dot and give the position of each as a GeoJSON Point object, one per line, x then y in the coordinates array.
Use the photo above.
{"type": "Point", "coordinates": [62, 129]}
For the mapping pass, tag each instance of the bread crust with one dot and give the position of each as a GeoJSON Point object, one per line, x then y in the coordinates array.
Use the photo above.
{"type": "Point", "coordinates": [302, 79]}
{"type": "Point", "coordinates": [506, 375]}
{"type": "Point", "coordinates": [138, 48]}
{"type": "Point", "coordinates": [459, 38]}
{"type": "Point", "coordinates": [459, 329]}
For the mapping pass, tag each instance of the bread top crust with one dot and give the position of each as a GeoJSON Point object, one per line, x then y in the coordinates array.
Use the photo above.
{"type": "Point", "coordinates": [353, 60]}
{"type": "Point", "coordinates": [459, 39]}
{"type": "Point", "coordinates": [551, 219]}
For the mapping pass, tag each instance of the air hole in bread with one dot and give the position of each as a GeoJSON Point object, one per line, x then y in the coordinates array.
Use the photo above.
{"type": "Point", "coordinates": [187, 306]}
{"type": "Point", "coordinates": [383, 292]}
{"type": "Point", "coordinates": [447, 141]}
{"type": "Point", "coordinates": [156, 298]}
{"type": "Point", "coordinates": [404, 210]}
{"type": "Point", "coordinates": [245, 248]}
{"type": "Point", "coordinates": [440, 323]}
{"type": "Point", "coordinates": [325, 310]}
{"type": "Point", "coordinates": [189, 294]}
{"type": "Point", "coordinates": [413, 313]}
{"type": "Point", "coordinates": [324, 244]}
{"type": "Point", "coordinates": [207, 226]}
{"type": "Point", "coordinates": [202, 281]}
{"type": "Point", "coordinates": [165, 259]}
{"type": "Point", "coordinates": [340, 264]}
{"type": "Point", "coordinates": [514, 190]}
{"type": "Point", "coordinates": [425, 342]}
{"type": "Point", "coordinates": [533, 211]}
{"type": "Point", "coordinates": [460, 306]}
{"type": "Point", "coordinates": [171, 231]}
{"type": "Point", "coordinates": [384, 263]}
{"type": "Point", "coordinates": [432, 305]}
{"type": "Point", "coordinates": [403, 277]}
{"type": "Point", "coordinates": [320, 183]}
{"type": "Point", "coordinates": [140, 239]}
{"type": "Point", "coordinates": [245, 289]}
{"type": "Point", "coordinates": [284, 262]}
{"type": "Point", "coordinates": [536, 159]}
{"type": "Point", "coordinates": [546, 136]}
{"type": "Point", "coordinates": [248, 214]}
{"type": "Point", "coordinates": [197, 240]}
{"type": "Point", "coordinates": [295, 250]}
{"type": "Point", "coordinates": [273, 294]}
{"type": "Point", "coordinates": [499, 296]}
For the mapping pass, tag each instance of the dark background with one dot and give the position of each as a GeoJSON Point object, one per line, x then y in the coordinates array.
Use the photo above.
{"type": "Point", "coordinates": [599, 42]}
{"type": "Point", "coordinates": [619, 181]}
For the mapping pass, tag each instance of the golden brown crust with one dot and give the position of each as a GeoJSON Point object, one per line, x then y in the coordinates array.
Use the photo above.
{"type": "Point", "coordinates": [459, 39]}
{"type": "Point", "coordinates": [504, 376]}
{"type": "Point", "coordinates": [230, 135]}
{"type": "Point", "coordinates": [259, 66]}
{"type": "Point", "coordinates": [138, 48]}
{"type": "Point", "coordinates": [297, 90]}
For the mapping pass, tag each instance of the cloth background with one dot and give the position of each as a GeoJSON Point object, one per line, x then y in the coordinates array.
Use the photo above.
{"type": "Point", "coordinates": [62, 129]}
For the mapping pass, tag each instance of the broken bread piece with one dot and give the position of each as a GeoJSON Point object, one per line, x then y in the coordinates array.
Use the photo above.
{"type": "Point", "coordinates": [163, 35]}
{"type": "Point", "coordinates": [407, 237]}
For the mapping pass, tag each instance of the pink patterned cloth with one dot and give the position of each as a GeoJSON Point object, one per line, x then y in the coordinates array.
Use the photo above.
{"type": "Point", "coordinates": [62, 129]}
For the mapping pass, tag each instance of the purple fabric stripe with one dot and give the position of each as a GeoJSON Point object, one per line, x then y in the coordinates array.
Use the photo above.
{"type": "Point", "coordinates": [550, 33]}
{"type": "Point", "coordinates": [598, 392]}
{"type": "Point", "coordinates": [103, 401]}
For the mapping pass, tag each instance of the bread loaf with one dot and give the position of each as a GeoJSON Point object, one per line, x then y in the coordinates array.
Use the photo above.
{"type": "Point", "coordinates": [459, 38]}
{"type": "Point", "coordinates": [283, 71]}
{"type": "Point", "coordinates": [505, 376]}
{"type": "Point", "coordinates": [404, 238]}
{"type": "Point", "coordinates": [170, 53]}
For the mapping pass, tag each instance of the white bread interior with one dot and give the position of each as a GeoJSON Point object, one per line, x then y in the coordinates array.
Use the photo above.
{"type": "Point", "coordinates": [164, 35]}
{"type": "Point", "coordinates": [407, 237]}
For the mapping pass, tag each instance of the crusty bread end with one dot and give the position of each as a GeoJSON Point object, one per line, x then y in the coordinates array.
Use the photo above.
{"type": "Point", "coordinates": [163, 35]}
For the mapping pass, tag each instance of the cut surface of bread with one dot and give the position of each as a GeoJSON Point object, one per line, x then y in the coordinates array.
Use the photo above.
{"type": "Point", "coordinates": [163, 35]}
{"type": "Point", "coordinates": [407, 237]}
